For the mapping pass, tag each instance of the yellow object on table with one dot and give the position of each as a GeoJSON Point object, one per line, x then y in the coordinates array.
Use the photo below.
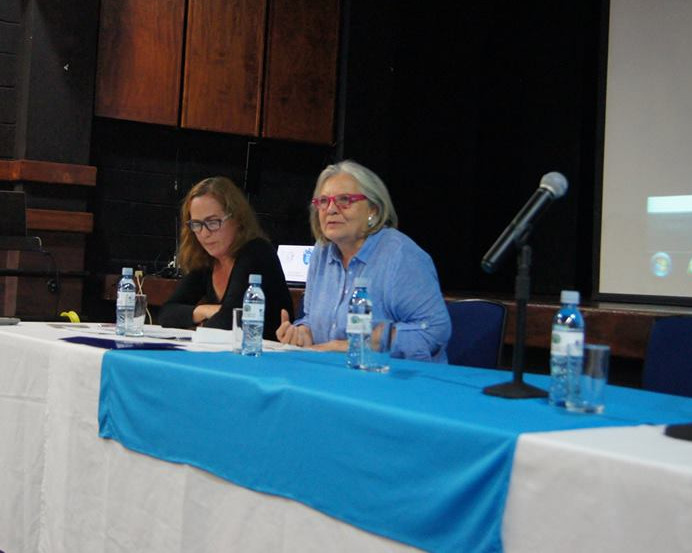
{"type": "Point", "coordinates": [72, 315]}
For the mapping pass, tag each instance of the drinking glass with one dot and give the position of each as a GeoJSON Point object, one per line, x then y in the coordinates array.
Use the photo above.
{"type": "Point", "coordinates": [381, 340]}
{"type": "Point", "coordinates": [587, 375]}
{"type": "Point", "coordinates": [140, 315]}
{"type": "Point", "coordinates": [237, 329]}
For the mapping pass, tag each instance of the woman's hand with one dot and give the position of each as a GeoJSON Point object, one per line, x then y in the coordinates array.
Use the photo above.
{"type": "Point", "coordinates": [290, 334]}
{"type": "Point", "coordinates": [332, 345]}
{"type": "Point", "coordinates": [204, 311]}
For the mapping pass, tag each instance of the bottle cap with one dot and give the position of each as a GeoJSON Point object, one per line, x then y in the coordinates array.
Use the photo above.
{"type": "Point", "coordinates": [361, 282]}
{"type": "Point", "coordinates": [569, 296]}
{"type": "Point", "coordinates": [127, 271]}
{"type": "Point", "coordinates": [255, 279]}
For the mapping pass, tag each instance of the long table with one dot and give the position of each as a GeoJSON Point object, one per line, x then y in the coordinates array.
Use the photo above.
{"type": "Point", "coordinates": [69, 490]}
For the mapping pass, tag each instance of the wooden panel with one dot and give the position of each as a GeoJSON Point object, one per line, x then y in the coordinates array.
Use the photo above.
{"type": "Point", "coordinates": [300, 88]}
{"type": "Point", "coordinates": [626, 331]}
{"type": "Point", "coordinates": [139, 60]}
{"type": "Point", "coordinates": [37, 302]}
{"type": "Point", "coordinates": [47, 172]}
{"type": "Point", "coordinates": [297, 298]}
{"type": "Point", "coordinates": [36, 298]}
{"type": "Point", "coordinates": [67, 221]}
{"type": "Point", "coordinates": [223, 65]}
{"type": "Point", "coordinates": [67, 249]}
{"type": "Point", "coordinates": [8, 285]}
{"type": "Point", "coordinates": [157, 289]}
{"type": "Point", "coordinates": [625, 328]}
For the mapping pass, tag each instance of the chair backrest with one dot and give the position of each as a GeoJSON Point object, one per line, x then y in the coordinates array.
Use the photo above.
{"type": "Point", "coordinates": [668, 362]}
{"type": "Point", "coordinates": [478, 328]}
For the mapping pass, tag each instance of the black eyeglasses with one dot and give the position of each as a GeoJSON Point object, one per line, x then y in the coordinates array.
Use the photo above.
{"type": "Point", "coordinates": [212, 225]}
{"type": "Point", "coordinates": [342, 201]}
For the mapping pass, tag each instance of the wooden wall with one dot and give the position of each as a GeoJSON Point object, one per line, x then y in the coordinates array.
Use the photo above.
{"type": "Point", "coordinates": [461, 108]}
{"type": "Point", "coordinates": [57, 196]}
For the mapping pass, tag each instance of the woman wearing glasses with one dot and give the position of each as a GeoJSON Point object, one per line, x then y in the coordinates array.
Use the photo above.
{"type": "Point", "coordinates": [354, 223]}
{"type": "Point", "coordinates": [221, 245]}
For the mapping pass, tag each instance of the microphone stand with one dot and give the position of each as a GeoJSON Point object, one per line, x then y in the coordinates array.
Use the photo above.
{"type": "Point", "coordinates": [517, 388]}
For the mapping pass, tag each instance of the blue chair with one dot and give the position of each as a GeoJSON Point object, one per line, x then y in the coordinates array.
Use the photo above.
{"type": "Point", "coordinates": [478, 328]}
{"type": "Point", "coordinates": [668, 362]}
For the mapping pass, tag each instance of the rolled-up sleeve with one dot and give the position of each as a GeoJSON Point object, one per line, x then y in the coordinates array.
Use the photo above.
{"type": "Point", "coordinates": [415, 301]}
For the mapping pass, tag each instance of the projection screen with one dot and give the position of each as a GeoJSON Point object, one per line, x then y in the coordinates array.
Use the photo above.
{"type": "Point", "coordinates": [646, 218]}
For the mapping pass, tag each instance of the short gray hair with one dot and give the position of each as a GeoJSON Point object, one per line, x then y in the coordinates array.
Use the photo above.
{"type": "Point", "coordinates": [370, 185]}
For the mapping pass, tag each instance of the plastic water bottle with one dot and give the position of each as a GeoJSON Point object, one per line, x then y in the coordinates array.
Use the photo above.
{"type": "Point", "coordinates": [359, 326]}
{"type": "Point", "coordinates": [253, 317]}
{"type": "Point", "coordinates": [125, 303]}
{"type": "Point", "coordinates": [568, 328]}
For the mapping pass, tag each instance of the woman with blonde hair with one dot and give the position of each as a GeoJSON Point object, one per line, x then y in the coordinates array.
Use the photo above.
{"type": "Point", "coordinates": [354, 222]}
{"type": "Point", "coordinates": [221, 244]}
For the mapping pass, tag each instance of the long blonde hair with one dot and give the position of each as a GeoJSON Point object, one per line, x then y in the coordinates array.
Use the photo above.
{"type": "Point", "coordinates": [191, 254]}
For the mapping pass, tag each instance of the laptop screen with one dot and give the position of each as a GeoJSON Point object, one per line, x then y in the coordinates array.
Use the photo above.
{"type": "Point", "coordinates": [295, 261]}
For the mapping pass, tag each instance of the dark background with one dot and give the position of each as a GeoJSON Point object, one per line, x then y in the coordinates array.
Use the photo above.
{"type": "Point", "coordinates": [460, 108]}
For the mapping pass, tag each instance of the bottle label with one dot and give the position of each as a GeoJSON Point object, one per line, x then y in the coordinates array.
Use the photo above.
{"type": "Point", "coordinates": [359, 323]}
{"type": "Point", "coordinates": [126, 300]}
{"type": "Point", "coordinates": [562, 339]}
{"type": "Point", "coordinates": [253, 313]}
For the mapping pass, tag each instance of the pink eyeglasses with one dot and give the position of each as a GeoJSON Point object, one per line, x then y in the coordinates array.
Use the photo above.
{"type": "Point", "coordinates": [342, 201]}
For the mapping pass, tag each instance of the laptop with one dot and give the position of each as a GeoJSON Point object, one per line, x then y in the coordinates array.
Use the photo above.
{"type": "Point", "coordinates": [295, 261]}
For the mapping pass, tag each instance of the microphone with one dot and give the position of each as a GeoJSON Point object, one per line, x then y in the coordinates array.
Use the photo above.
{"type": "Point", "coordinates": [553, 186]}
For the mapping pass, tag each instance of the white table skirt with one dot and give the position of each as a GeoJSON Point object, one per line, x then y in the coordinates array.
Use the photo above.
{"type": "Point", "coordinates": [66, 490]}
{"type": "Point", "coordinates": [626, 489]}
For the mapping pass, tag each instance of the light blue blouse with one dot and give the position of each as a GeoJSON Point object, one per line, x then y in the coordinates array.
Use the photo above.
{"type": "Point", "coordinates": [403, 287]}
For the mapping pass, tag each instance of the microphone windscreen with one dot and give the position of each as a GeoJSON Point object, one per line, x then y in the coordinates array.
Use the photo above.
{"type": "Point", "coordinates": [555, 183]}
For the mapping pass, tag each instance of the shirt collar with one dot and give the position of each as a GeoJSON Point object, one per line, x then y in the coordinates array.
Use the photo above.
{"type": "Point", "coordinates": [363, 254]}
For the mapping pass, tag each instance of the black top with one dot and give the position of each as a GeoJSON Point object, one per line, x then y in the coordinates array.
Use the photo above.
{"type": "Point", "coordinates": [257, 256]}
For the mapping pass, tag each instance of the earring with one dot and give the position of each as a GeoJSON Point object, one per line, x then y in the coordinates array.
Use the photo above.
{"type": "Point", "coordinates": [371, 223]}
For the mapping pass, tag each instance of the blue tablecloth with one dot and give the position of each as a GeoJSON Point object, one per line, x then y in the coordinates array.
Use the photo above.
{"type": "Point", "coordinates": [419, 455]}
